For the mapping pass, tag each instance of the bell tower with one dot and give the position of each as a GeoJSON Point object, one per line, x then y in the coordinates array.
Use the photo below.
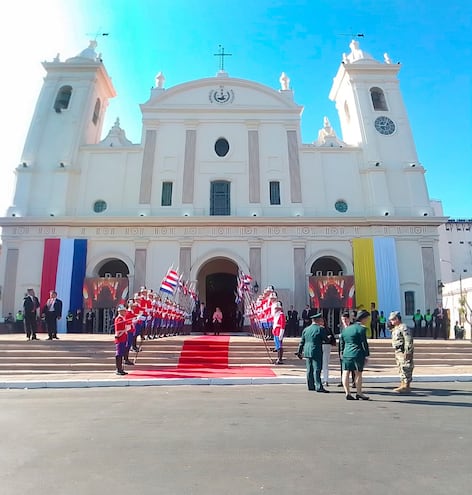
{"type": "Point", "coordinates": [69, 113]}
{"type": "Point", "coordinates": [371, 108]}
{"type": "Point", "coordinates": [374, 118]}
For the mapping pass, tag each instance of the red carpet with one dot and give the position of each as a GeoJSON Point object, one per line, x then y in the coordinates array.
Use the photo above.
{"type": "Point", "coordinates": [205, 352]}
{"type": "Point", "coordinates": [204, 357]}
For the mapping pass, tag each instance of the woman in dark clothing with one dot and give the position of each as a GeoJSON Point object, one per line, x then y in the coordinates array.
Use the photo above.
{"type": "Point", "coordinates": [354, 352]}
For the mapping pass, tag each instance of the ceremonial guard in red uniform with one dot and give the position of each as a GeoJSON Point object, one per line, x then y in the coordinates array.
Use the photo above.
{"type": "Point", "coordinates": [120, 339]}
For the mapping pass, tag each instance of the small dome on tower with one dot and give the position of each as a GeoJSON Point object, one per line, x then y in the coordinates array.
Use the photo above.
{"type": "Point", "coordinates": [89, 53]}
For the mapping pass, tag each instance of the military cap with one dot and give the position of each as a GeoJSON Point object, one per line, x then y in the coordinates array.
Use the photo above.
{"type": "Point", "coordinates": [362, 314]}
{"type": "Point", "coordinates": [393, 315]}
{"type": "Point", "coordinates": [315, 316]}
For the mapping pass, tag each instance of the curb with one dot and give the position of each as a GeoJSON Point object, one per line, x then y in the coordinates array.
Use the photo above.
{"type": "Point", "coordinates": [169, 382]}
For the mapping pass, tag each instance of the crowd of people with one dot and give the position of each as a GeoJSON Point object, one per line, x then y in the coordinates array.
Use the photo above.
{"type": "Point", "coordinates": [353, 351]}
{"type": "Point", "coordinates": [433, 325]}
{"type": "Point", "coordinates": [148, 315]}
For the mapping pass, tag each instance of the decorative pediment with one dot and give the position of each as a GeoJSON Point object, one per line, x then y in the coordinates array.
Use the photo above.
{"type": "Point", "coordinates": [116, 137]}
{"type": "Point", "coordinates": [219, 93]}
{"type": "Point", "coordinates": [327, 136]}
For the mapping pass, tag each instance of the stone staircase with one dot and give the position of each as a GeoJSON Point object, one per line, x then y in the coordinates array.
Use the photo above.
{"type": "Point", "coordinates": [95, 353]}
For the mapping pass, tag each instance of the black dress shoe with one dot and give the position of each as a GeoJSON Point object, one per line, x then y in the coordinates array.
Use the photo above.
{"type": "Point", "coordinates": [56, 337]}
{"type": "Point", "coordinates": [129, 363]}
{"type": "Point", "coordinates": [121, 372]}
{"type": "Point", "coordinates": [350, 397]}
{"type": "Point", "coordinates": [49, 338]}
{"type": "Point", "coordinates": [362, 397]}
{"type": "Point", "coordinates": [323, 391]}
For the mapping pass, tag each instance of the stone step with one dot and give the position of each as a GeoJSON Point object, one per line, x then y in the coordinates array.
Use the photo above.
{"type": "Point", "coordinates": [96, 354]}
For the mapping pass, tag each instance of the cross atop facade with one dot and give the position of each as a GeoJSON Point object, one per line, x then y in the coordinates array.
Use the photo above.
{"type": "Point", "coordinates": [98, 33]}
{"type": "Point", "coordinates": [222, 56]}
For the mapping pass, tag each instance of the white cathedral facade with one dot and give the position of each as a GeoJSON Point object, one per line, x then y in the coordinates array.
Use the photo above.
{"type": "Point", "coordinates": [221, 181]}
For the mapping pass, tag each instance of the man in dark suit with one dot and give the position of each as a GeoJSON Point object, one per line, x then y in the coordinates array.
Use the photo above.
{"type": "Point", "coordinates": [30, 311]}
{"type": "Point", "coordinates": [292, 322]}
{"type": "Point", "coordinates": [311, 348]}
{"type": "Point", "coordinates": [306, 316]}
{"type": "Point", "coordinates": [52, 312]}
{"type": "Point", "coordinates": [203, 316]}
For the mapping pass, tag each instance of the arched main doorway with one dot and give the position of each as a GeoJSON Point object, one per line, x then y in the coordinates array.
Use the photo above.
{"type": "Point", "coordinates": [99, 318]}
{"type": "Point", "coordinates": [328, 271]}
{"type": "Point", "coordinates": [217, 281]}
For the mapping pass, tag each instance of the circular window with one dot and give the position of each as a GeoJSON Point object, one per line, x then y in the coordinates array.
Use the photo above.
{"type": "Point", "coordinates": [341, 206]}
{"type": "Point", "coordinates": [221, 147]}
{"type": "Point", "coordinates": [99, 206]}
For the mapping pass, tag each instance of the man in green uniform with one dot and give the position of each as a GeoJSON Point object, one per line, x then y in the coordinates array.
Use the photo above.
{"type": "Point", "coordinates": [402, 342]}
{"type": "Point", "coordinates": [311, 348]}
{"type": "Point", "coordinates": [428, 318]}
{"type": "Point", "coordinates": [19, 320]}
{"type": "Point", "coordinates": [418, 322]}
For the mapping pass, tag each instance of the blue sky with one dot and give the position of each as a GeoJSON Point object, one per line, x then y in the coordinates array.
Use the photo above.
{"type": "Point", "coordinates": [304, 38]}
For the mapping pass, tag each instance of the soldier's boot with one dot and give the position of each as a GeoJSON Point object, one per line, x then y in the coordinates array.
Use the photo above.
{"type": "Point", "coordinates": [119, 366]}
{"type": "Point", "coordinates": [280, 355]}
{"type": "Point", "coordinates": [401, 388]}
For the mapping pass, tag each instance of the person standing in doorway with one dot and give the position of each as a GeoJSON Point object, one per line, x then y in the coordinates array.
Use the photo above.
{"type": "Point", "coordinates": [52, 312]}
{"type": "Point", "coordinates": [217, 321]}
{"type": "Point", "coordinates": [30, 310]}
{"type": "Point", "coordinates": [311, 348]}
{"type": "Point", "coordinates": [203, 318]}
{"type": "Point", "coordinates": [402, 342]}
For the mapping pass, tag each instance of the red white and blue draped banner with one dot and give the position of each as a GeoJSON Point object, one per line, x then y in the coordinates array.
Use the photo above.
{"type": "Point", "coordinates": [64, 263]}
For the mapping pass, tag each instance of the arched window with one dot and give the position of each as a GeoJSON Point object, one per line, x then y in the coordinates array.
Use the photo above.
{"type": "Point", "coordinates": [378, 99]}
{"type": "Point", "coordinates": [220, 198]}
{"type": "Point", "coordinates": [63, 98]}
{"type": "Point", "coordinates": [96, 111]}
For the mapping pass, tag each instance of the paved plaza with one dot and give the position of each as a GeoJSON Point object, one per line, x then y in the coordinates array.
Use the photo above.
{"type": "Point", "coordinates": [236, 440]}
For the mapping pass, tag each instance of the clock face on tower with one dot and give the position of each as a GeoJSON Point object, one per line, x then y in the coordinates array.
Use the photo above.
{"type": "Point", "coordinates": [385, 125]}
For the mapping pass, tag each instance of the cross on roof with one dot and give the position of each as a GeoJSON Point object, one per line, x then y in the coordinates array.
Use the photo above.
{"type": "Point", "coordinates": [98, 33]}
{"type": "Point", "coordinates": [222, 56]}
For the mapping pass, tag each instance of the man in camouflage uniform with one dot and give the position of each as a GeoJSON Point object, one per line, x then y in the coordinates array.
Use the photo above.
{"type": "Point", "coordinates": [402, 342]}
